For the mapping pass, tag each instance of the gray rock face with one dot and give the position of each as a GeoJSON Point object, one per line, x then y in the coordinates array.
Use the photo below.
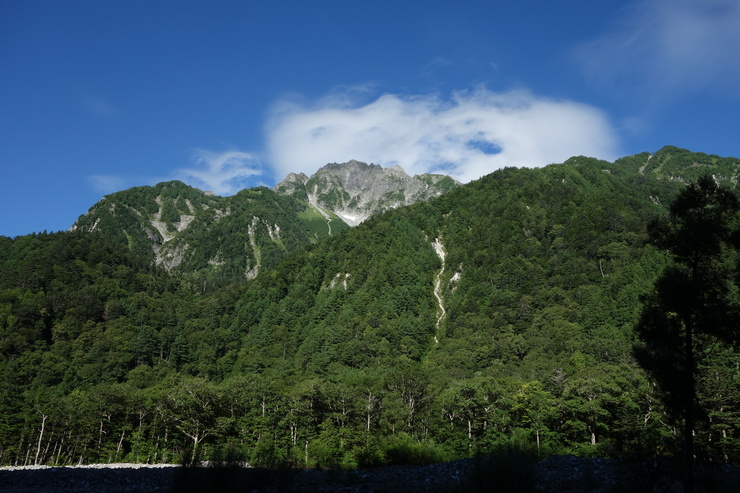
{"type": "Point", "coordinates": [355, 190]}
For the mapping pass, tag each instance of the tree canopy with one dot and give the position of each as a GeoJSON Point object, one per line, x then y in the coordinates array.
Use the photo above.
{"type": "Point", "coordinates": [501, 312]}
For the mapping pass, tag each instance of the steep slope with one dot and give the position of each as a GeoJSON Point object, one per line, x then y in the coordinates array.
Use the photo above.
{"type": "Point", "coordinates": [674, 163]}
{"type": "Point", "coordinates": [503, 260]}
{"type": "Point", "coordinates": [515, 292]}
{"type": "Point", "coordinates": [473, 258]}
{"type": "Point", "coordinates": [189, 231]}
{"type": "Point", "coordinates": [354, 190]}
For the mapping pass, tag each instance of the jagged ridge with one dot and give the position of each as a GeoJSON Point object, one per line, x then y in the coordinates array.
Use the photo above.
{"type": "Point", "coordinates": [355, 190]}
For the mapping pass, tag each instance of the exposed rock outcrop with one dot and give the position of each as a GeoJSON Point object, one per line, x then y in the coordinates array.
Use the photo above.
{"type": "Point", "coordinates": [355, 190]}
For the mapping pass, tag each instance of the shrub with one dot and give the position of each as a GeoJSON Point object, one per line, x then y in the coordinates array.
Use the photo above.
{"type": "Point", "coordinates": [405, 450]}
{"type": "Point", "coordinates": [509, 465]}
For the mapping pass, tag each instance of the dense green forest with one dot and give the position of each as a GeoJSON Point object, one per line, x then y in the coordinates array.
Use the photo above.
{"type": "Point", "coordinates": [210, 240]}
{"type": "Point", "coordinates": [502, 312]}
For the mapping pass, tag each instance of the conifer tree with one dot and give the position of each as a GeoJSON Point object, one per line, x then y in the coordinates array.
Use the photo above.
{"type": "Point", "coordinates": [693, 301]}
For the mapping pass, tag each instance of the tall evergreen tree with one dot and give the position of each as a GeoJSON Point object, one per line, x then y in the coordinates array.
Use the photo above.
{"type": "Point", "coordinates": [695, 299]}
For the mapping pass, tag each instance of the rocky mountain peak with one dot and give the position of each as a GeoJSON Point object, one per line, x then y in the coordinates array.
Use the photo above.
{"type": "Point", "coordinates": [356, 190]}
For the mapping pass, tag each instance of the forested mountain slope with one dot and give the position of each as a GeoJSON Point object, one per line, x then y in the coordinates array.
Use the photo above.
{"type": "Point", "coordinates": [208, 237]}
{"type": "Point", "coordinates": [229, 239]}
{"type": "Point", "coordinates": [501, 312]}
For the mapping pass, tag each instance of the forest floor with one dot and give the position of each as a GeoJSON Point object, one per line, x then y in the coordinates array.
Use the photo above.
{"type": "Point", "coordinates": [553, 474]}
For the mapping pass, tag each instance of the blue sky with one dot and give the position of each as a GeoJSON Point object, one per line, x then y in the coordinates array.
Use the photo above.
{"type": "Point", "coordinates": [97, 96]}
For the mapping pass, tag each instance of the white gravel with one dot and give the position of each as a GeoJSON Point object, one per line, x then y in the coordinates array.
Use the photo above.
{"type": "Point", "coordinates": [121, 465]}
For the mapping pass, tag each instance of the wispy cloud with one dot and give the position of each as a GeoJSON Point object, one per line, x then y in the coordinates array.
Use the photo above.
{"type": "Point", "coordinates": [222, 173]}
{"type": "Point", "coordinates": [100, 108]}
{"type": "Point", "coordinates": [432, 67]}
{"type": "Point", "coordinates": [467, 135]}
{"type": "Point", "coordinates": [106, 183]}
{"type": "Point", "coordinates": [661, 49]}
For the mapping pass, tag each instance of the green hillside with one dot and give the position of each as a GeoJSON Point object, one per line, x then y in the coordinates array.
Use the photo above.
{"type": "Point", "coordinates": [500, 313]}
{"type": "Point", "coordinates": [205, 237]}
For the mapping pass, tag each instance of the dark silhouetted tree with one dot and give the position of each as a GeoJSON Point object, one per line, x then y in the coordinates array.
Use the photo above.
{"type": "Point", "coordinates": [694, 300]}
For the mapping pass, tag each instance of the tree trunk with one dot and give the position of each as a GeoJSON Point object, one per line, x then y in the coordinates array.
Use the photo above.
{"type": "Point", "coordinates": [41, 436]}
{"type": "Point", "coordinates": [46, 449]}
{"type": "Point", "coordinates": [194, 457]}
{"type": "Point", "coordinates": [59, 451]}
{"type": "Point", "coordinates": [100, 438]}
{"type": "Point", "coordinates": [120, 442]}
{"type": "Point", "coordinates": [688, 430]}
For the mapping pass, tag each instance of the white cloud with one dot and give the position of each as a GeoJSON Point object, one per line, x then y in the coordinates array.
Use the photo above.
{"type": "Point", "coordinates": [468, 135]}
{"type": "Point", "coordinates": [106, 183]}
{"type": "Point", "coordinates": [665, 48]}
{"type": "Point", "coordinates": [222, 173]}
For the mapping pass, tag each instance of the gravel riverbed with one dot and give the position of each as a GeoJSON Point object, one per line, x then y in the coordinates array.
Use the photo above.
{"type": "Point", "coordinates": [553, 474]}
